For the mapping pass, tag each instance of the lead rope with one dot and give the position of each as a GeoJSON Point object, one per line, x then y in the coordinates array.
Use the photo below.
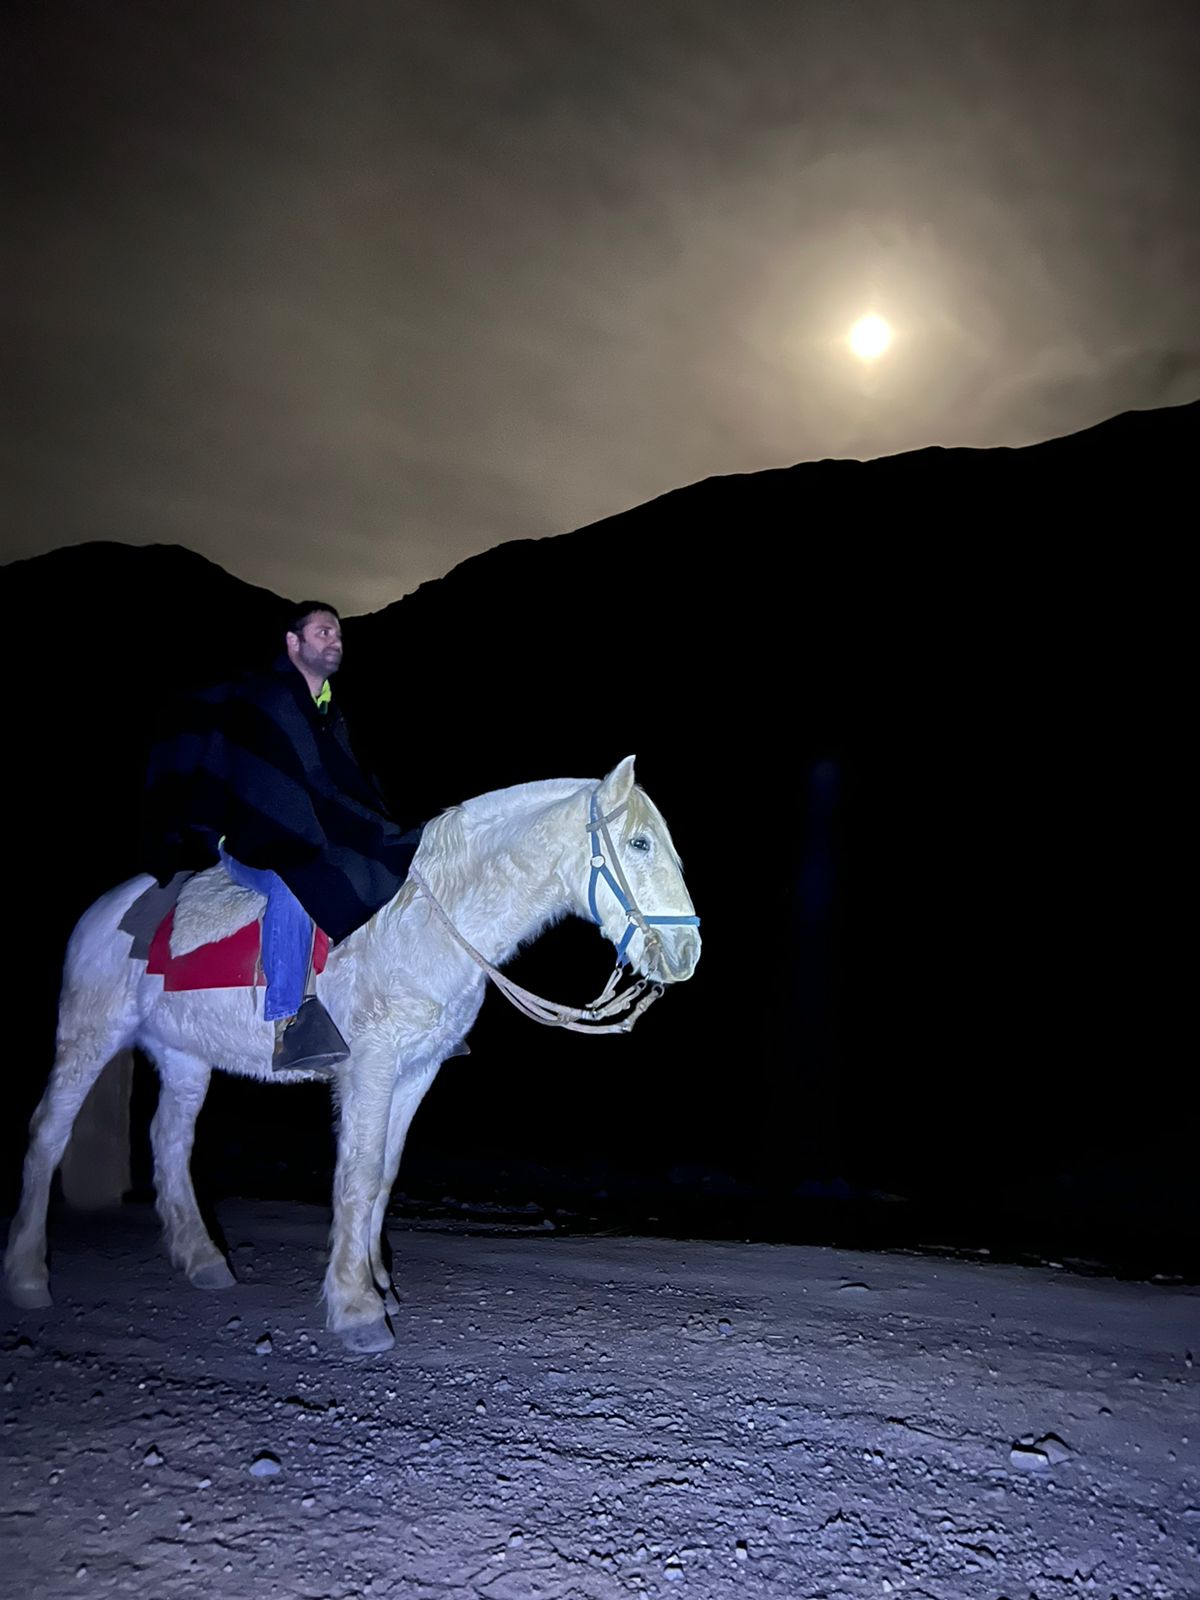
{"type": "Point", "coordinates": [641, 994]}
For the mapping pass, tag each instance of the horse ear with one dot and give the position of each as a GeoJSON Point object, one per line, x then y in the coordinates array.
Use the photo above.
{"type": "Point", "coordinates": [618, 786]}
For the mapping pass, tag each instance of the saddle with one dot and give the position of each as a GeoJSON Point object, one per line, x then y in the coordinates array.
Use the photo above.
{"type": "Point", "coordinates": [210, 936]}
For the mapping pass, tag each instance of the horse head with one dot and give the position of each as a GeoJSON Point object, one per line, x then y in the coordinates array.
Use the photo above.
{"type": "Point", "coordinates": [635, 890]}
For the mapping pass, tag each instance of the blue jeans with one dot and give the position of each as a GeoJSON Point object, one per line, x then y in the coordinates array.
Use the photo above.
{"type": "Point", "coordinates": [287, 938]}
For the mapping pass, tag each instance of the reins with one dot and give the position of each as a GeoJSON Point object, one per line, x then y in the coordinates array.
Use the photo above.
{"type": "Point", "coordinates": [579, 1019]}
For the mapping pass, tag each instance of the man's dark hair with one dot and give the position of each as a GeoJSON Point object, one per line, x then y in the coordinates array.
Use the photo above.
{"type": "Point", "coordinates": [306, 608]}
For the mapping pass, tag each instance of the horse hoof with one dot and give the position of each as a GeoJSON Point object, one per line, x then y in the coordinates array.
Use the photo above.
{"type": "Point", "coordinates": [367, 1338]}
{"type": "Point", "coordinates": [214, 1275]}
{"type": "Point", "coordinates": [30, 1296]}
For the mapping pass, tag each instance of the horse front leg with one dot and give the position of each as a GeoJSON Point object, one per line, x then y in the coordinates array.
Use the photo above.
{"type": "Point", "coordinates": [184, 1083]}
{"type": "Point", "coordinates": [407, 1094]}
{"type": "Point", "coordinates": [354, 1308]}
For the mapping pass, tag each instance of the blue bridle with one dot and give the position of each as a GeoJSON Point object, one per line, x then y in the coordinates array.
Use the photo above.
{"type": "Point", "coordinates": [597, 827]}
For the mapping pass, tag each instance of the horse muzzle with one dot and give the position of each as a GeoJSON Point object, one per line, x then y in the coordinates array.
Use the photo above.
{"type": "Point", "coordinates": [669, 954]}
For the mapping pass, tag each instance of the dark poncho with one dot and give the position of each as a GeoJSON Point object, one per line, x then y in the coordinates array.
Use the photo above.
{"type": "Point", "coordinates": [258, 763]}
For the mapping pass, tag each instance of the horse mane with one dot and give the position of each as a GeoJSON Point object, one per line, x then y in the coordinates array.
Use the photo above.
{"type": "Point", "coordinates": [452, 836]}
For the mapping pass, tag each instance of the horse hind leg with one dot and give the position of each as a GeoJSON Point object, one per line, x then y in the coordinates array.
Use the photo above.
{"type": "Point", "coordinates": [184, 1083]}
{"type": "Point", "coordinates": [85, 1047]}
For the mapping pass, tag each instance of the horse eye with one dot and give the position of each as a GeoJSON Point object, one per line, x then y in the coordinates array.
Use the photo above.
{"type": "Point", "coordinates": [639, 843]}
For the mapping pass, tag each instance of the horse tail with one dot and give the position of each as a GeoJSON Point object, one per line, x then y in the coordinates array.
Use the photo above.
{"type": "Point", "coordinates": [98, 1001]}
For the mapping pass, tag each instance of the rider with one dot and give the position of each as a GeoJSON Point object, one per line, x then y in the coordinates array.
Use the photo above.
{"type": "Point", "coordinates": [266, 779]}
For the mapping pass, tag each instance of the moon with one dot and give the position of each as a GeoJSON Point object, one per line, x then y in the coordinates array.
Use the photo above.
{"type": "Point", "coordinates": [869, 338]}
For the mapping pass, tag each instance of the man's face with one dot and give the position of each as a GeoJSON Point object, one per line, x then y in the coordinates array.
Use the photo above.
{"type": "Point", "coordinates": [317, 647]}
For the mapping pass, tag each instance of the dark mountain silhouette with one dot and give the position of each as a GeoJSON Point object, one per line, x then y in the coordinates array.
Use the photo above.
{"type": "Point", "coordinates": [917, 725]}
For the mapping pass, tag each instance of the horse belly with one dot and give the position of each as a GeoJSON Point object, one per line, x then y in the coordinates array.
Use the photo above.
{"type": "Point", "coordinates": [223, 1027]}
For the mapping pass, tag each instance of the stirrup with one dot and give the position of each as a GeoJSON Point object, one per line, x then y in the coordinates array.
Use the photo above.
{"type": "Point", "coordinates": [310, 1042]}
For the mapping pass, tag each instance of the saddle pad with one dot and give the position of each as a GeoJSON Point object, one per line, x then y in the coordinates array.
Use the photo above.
{"type": "Point", "coordinates": [211, 907]}
{"type": "Point", "coordinates": [229, 963]}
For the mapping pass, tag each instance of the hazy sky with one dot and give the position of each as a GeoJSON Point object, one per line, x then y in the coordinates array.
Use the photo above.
{"type": "Point", "coordinates": [338, 292]}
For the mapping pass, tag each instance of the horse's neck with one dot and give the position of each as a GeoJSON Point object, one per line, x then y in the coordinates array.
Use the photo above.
{"type": "Point", "coordinates": [495, 862]}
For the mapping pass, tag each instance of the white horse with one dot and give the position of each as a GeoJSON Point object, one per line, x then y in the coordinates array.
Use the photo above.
{"type": "Point", "coordinates": [405, 989]}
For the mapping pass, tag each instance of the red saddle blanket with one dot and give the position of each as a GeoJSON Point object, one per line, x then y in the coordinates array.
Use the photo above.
{"type": "Point", "coordinates": [231, 963]}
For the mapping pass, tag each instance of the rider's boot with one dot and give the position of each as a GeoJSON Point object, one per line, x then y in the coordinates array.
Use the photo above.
{"type": "Point", "coordinates": [309, 1041]}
